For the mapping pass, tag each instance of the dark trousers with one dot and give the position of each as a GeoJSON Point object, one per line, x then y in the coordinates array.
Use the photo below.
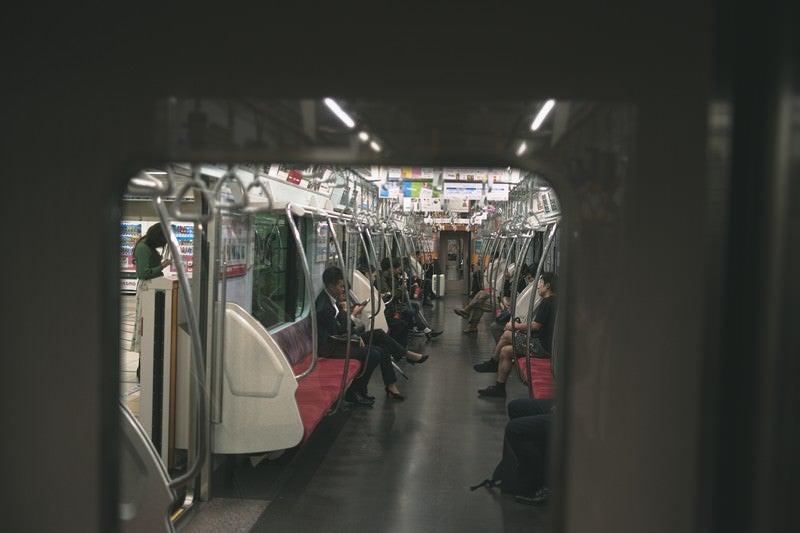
{"type": "Point", "coordinates": [371, 358]}
{"type": "Point", "coordinates": [398, 329]}
{"type": "Point", "coordinates": [374, 357]}
{"type": "Point", "coordinates": [528, 435]}
{"type": "Point", "coordinates": [385, 342]}
{"type": "Point", "coordinates": [427, 289]}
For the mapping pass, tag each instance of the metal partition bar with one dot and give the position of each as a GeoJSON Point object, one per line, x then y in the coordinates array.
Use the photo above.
{"type": "Point", "coordinates": [309, 289]}
{"type": "Point", "coordinates": [348, 346]}
{"type": "Point", "coordinates": [198, 355]}
{"type": "Point", "coordinates": [551, 235]}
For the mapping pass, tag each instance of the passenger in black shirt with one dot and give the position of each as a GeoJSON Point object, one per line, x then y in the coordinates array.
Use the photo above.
{"type": "Point", "coordinates": [512, 342]}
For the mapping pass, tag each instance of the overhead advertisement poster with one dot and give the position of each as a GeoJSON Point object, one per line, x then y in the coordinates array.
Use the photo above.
{"type": "Point", "coordinates": [409, 189]}
{"type": "Point", "coordinates": [499, 192]}
{"type": "Point", "coordinates": [465, 174]}
{"type": "Point", "coordinates": [469, 191]}
{"type": "Point", "coordinates": [457, 205]}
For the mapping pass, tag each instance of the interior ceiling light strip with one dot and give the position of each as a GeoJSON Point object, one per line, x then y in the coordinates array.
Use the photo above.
{"type": "Point", "coordinates": [339, 112]}
{"type": "Point", "coordinates": [542, 114]}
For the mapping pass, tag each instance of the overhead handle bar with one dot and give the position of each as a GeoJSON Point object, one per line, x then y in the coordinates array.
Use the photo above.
{"type": "Point", "coordinates": [230, 176]}
{"type": "Point", "coordinates": [259, 183]}
{"type": "Point", "coordinates": [194, 183]}
{"type": "Point", "coordinates": [145, 185]}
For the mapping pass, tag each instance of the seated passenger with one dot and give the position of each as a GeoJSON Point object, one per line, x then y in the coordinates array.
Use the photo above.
{"type": "Point", "coordinates": [527, 435]}
{"type": "Point", "coordinates": [493, 278]}
{"type": "Point", "coordinates": [332, 321]}
{"type": "Point", "coordinates": [377, 336]}
{"type": "Point", "coordinates": [514, 338]}
{"type": "Point", "coordinates": [400, 306]}
{"type": "Point", "coordinates": [522, 471]}
{"type": "Point", "coordinates": [480, 303]}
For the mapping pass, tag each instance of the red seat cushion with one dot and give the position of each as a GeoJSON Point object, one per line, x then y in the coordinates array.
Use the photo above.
{"type": "Point", "coordinates": [542, 370]}
{"type": "Point", "coordinates": [319, 390]}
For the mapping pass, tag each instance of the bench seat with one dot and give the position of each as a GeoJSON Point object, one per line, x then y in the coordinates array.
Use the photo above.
{"type": "Point", "coordinates": [317, 392]}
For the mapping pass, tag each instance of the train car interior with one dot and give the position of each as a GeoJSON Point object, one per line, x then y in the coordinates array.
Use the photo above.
{"type": "Point", "coordinates": [304, 269]}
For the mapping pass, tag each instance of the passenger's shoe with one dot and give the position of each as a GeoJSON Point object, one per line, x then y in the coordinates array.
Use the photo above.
{"type": "Point", "coordinates": [461, 312]}
{"type": "Point", "coordinates": [417, 333]}
{"type": "Point", "coordinates": [394, 395]}
{"type": "Point", "coordinates": [540, 497]}
{"type": "Point", "coordinates": [433, 334]}
{"type": "Point", "coordinates": [471, 329]}
{"type": "Point", "coordinates": [417, 361]}
{"type": "Point", "coordinates": [358, 399]}
{"type": "Point", "coordinates": [493, 391]}
{"type": "Point", "coordinates": [486, 366]}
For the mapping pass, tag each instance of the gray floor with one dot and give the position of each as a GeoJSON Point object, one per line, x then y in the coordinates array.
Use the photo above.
{"type": "Point", "coordinates": [398, 467]}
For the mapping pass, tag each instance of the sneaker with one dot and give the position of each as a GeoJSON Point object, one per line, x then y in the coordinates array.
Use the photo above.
{"type": "Point", "coordinates": [486, 366]}
{"type": "Point", "coordinates": [494, 391]}
{"type": "Point", "coordinates": [417, 333]}
{"type": "Point", "coordinates": [433, 334]}
{"type": "Point", "coordinates": [460, 312]}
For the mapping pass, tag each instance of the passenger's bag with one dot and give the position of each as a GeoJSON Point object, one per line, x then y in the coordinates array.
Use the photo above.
{"type": "Point", "coordinates": [337, 346]}
{"type": "Point", "coordinates": [507, 475]}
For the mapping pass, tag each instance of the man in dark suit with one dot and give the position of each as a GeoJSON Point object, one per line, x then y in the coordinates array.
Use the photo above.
{"type": "Point", "coordinates": [331, 320]}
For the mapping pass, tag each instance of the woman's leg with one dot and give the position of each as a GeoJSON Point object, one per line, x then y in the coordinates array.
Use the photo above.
{"type": "Point", "coordinates": [385, 342]}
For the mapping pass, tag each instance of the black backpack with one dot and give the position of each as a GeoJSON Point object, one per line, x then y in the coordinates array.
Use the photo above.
{"type": "Point", "coordinates": [508, 475]}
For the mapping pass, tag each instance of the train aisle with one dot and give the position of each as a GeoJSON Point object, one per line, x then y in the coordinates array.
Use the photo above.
{"type": "Point", "coordinates": [398, 467]}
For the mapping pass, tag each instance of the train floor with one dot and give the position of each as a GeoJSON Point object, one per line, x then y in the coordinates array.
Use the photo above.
{"type": "Point", "coordinates": [396, 467]}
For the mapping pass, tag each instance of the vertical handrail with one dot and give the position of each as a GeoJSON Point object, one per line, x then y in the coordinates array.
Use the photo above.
{"type": "Point", "coordinates": [529, 318]}
{"type": "Point", "coordinates": [517, 272]}
{"type": "Point", "coordinates": [309, 290]}
{"type": "Point", "coordinates": [197, 348]}
{"type": "Point", "coordinates": [347, 350]}
{"type": "Point", "coordinates": [490, 244]}
{"type": "Point", "coordinates": [219, 275]}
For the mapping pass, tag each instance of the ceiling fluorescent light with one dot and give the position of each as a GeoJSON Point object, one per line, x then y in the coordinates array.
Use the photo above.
{"type": "Point", "coordinates": [375, 146]}
{"type": "Point", "coordinates": [522, 147]}
{"type": "Point", "coordinates": [364, 136]}
{"type": "Point", "coordinates": [542, 114]}
{"type": "Point", "coordinates": [339, 112]}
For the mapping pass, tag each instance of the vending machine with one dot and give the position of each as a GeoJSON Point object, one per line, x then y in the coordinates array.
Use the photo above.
{"type": "Point", "coordinates": [130, 232]}
{"type": "Point", "coordinates": [184, 232]}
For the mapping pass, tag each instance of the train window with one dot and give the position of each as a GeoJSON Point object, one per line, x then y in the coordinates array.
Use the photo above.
{"type": "Point", "coordinates": [278, 294]}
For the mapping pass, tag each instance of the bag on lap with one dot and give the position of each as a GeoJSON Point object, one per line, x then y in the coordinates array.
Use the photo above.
{"type": "Point", "coordinates": [337, 346]}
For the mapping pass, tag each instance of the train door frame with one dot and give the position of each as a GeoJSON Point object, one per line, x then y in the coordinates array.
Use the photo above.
{"type": "Point", "coordinates": [465, 244]}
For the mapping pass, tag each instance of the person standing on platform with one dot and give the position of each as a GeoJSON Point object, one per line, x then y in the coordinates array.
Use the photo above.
{"type": "Point", "coordinates": [149, 265]}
